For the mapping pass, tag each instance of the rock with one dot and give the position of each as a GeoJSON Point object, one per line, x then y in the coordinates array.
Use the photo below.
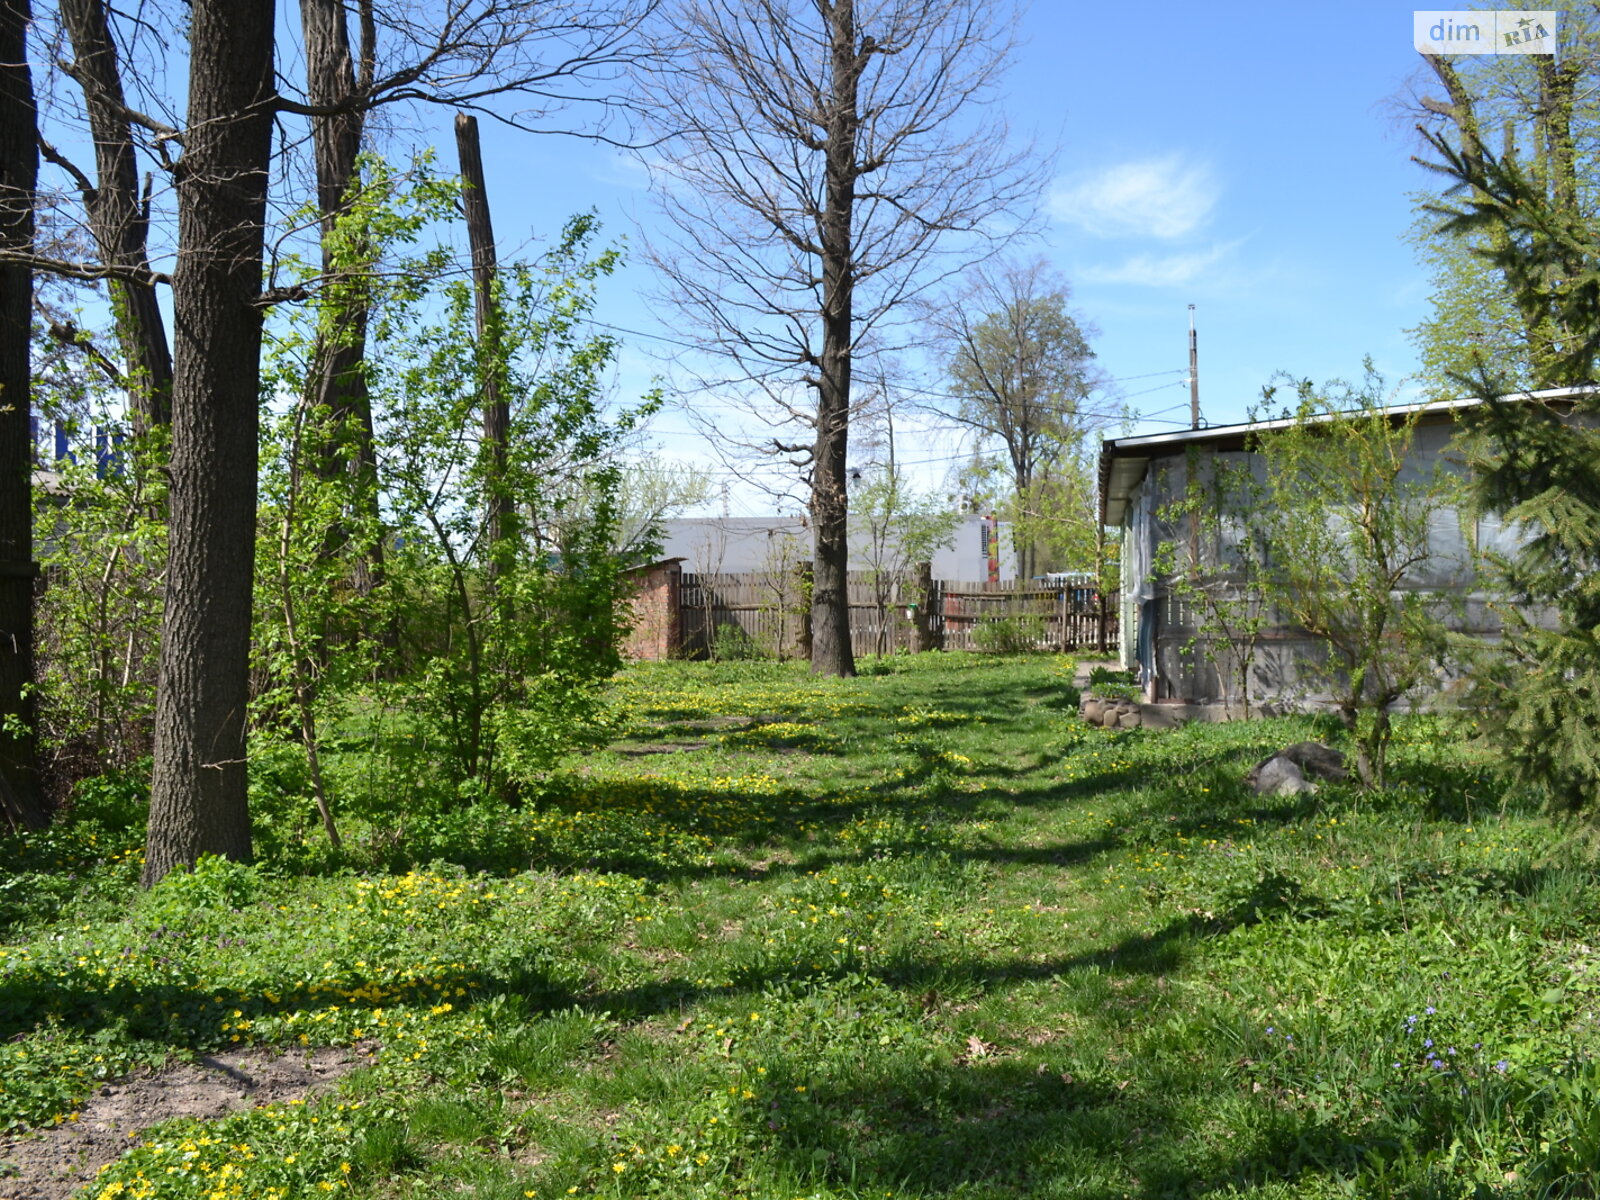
{"type": "Point", "coordinates": [1286, 772]}
{"type": "Point", "coordinates": [1279, 776]}
{"type": "Point", "coordinates": [1315, 759]}
{"type": "Point", "coordinates": [1130, 720]}
{"type": "Point", "coordinates": [1092, 710]}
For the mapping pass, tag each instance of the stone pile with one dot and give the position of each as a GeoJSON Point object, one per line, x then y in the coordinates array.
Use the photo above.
{"type": "Point", "coordinates": [1110, 713]}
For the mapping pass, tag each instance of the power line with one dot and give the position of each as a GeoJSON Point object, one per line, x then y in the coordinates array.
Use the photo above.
{"type": "Point", "coordinates": [915, 391]}
{"type": "Point", "coordinates": [767, 465]}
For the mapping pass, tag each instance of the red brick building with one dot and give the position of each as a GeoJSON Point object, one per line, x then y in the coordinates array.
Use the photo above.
{"type": "Point", "coordinates": [655, 633]}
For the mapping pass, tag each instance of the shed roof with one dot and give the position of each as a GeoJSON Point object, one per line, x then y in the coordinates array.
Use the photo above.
{"type": "Point", "coordinates": [641, 568]}
{"type": "Point", "coordinates": [1123, 461]}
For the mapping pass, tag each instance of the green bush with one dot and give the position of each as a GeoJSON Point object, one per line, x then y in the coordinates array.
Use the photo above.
{"type": "Point", "coordinates": [730, 643]}
{"type": "Point", "coordinates": [202, 897]}
{"type": "Point", "coordinates": [1009, 635]}
{"type": "Point", "coordinates": [1101, 677]}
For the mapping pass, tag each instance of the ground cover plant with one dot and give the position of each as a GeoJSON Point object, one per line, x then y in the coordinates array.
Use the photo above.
{"type": "Point", "coordinates": [921, 933]}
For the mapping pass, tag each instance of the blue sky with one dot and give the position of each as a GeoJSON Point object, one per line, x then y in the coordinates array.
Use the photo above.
{"type": "Point", "coordinates": [1291, 151]}
{"type": "Point", "coordinates": [1252, 160]}
{"type": "Point", "coordinates": [1258, 171]}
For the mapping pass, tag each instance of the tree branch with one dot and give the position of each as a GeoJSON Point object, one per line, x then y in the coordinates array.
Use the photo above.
{"type": "Point", "coordinates": [51, 155]}
{"type": "Point", "coordinates": [72, 269]}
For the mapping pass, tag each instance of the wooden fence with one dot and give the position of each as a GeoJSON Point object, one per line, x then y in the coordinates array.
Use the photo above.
{"type": "Point", "coordinates": [766, 614]}
{"type": "Point", "coordinates": [744, 615]}
{"type": "Point", "coordinates": [1067, 617]}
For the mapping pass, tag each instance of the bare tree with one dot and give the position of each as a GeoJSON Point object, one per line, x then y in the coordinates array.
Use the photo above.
{"type": "Point", "coordinates": [1021, 373]}
{"type": "Point", "coordinates": [830, 160]}
{"type": "Point", "coordinates": [117, 215]}
{"type": "Point", "coordinates": [19, 172]}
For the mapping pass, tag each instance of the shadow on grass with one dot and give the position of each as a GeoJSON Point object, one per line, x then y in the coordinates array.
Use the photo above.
{"type": "Point", "coordinates": [809, 861]}
{"type": "Point", "coordinates": [1001, 1128]}
{"type": "Point", "coordinates": [1006, 1128]}
{"type": "Point", "coordinates": [192, 1014]}
{"type": "Point", "coordinates": [1065, 854]}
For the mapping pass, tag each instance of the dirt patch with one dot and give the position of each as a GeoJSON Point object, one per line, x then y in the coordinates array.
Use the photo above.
{"type": "Point", "coordinates": [639, 749]}
{"type": "Point", "coordinates": [715, 724]}
{"type": "Point", "coordinates": [52, 1163]}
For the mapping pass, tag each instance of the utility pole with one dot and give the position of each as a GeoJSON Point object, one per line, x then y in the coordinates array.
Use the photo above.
{"type": "Point", "coordinates": [1194, 374]}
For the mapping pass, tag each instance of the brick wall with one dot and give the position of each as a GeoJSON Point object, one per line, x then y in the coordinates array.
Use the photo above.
{"type": "Point", "coordinates": [655, 633]}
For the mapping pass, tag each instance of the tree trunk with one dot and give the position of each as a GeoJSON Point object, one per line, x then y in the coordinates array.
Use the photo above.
{"type": "Point", "coordinates": [117, 218]}
{"type": "Point", "coordinates": [337, 381]}
{"type": "Point", "coordinates": [1555, 146]}
{"type": "Point", "coordinates": [20, 800]}
{"type": "Point", "coordinates": [1557, 95]}
{"type": "Point", "coordinates": [1542, 323]}
{"type": "Point", "coordinates": [1021, 526]}
{"type": "Point", "coordinates": [923, 640]}
{"type": "Point", "coordinates": [496, 406]}
{"type": "Point", "coordinates": [830, 597]}
{"type": "Point", "coordinates": [198, 799]}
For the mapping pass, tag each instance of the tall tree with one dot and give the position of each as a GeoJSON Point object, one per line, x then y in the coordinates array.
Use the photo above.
{"type": "Point", "coordinates": [495, 403]}
{"type": "Point", "coordinates": [339, 81]}
{"type": "Point", "coordinates": [1022, 374]}
{"type": "Point", "coordinates": [471, 54]}
{"type": "Point", "coordinates": [118, 218]}
{"type": "Point", "coordinates": [198, 801]}
{"type": "Point", "coordinates": [827, 159]}
{"type": "Point", "coordinates": [1540, 115]}
{"type": "Point", "coordinates": [534, 53]}
{"type": "Point", "coordinates": [19, 173]}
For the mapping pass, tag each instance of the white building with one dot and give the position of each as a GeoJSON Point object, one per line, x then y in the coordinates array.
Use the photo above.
{"type": "Point", "coordinates": [732, 545]}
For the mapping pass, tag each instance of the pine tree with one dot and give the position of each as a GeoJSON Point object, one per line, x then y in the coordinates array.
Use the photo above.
{"type": "Point", "coordinates": [1536, 465]}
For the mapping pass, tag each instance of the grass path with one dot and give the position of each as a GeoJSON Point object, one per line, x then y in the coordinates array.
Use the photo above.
{"type": "Point", "coordinates": [917, 934]}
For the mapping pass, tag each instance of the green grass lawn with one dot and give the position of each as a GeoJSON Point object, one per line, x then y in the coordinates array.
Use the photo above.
{"type": "Point", "coordinates": [916, 934]}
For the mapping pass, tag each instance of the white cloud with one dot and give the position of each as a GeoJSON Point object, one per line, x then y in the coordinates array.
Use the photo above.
{"type": "Point", "coordinates": [1159, 197]}
{"type": "Point", "coordinates": [1160, 270]}
{"type": "Point", "coordinates": [623, 171]}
